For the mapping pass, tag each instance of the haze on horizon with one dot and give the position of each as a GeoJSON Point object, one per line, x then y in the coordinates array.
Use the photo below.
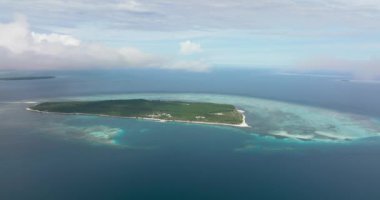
{"type": "Point", "coordinates": [287, 35]}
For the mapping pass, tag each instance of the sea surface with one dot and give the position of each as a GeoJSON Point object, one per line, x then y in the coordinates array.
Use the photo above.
{"type": "Point", "coordinates": [312, 136]}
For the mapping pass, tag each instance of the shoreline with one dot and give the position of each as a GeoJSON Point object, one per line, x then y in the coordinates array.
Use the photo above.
{"type": "Point", "coordinates": [241, 125]}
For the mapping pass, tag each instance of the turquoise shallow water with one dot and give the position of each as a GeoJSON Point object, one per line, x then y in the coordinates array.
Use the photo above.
{"type": "Point", "coordinates": [291, 151]}
{"type": "Point", "coordinates": [267, 118]}
{"type": "Point", "coordinates": [66, 156]}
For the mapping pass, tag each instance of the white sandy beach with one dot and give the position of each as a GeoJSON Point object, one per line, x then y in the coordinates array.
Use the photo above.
{"type": "Point", "coordinates": [242, 125]}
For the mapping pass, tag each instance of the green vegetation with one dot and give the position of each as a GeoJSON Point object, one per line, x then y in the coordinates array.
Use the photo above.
{"type": "Point", "coordinates": [26, 78]}
{"type": "Point", "coordinates": [166, 110]}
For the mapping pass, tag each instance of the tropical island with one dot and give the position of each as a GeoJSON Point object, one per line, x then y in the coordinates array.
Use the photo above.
{"type": "Point", "coordinates": [25, 78]}
{"type": "Point", "coordinates": [192, 112]}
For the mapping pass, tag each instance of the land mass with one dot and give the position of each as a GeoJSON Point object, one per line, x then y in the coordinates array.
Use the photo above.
{"type": "Point", "coordinates": [26, 78]}
{"type": "Point", "coordinates": [196, 112]}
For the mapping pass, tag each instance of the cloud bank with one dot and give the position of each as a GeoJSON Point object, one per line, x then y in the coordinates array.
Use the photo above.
{"type": "Point", "coordinates": [359, 69]}
{"type": "Point", "coordinates": [21, 48]}
{"type": "Point", "coordinates": [205, 14]}
{"type": "Point", "coordinates": [274, 33]}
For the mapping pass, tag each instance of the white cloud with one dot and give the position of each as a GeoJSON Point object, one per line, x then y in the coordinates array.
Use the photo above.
{"type": "Point", "coordinates": [21, 48]}
{"type": "Point", "coordinates": [14, 36]}
{"type": "Point", "coordinates": [65, 40]}
{"type": "Point", "coordinates": [188, 47]}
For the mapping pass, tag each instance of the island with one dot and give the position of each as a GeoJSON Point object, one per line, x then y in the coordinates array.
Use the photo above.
{"type": "Point", "coordinates": [162, 110]}
{"type": "Point", "coordinates": [25, 78]}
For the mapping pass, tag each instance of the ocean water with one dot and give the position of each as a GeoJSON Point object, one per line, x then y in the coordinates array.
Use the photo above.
{"type": "Point", "coordinates": [311, 137]}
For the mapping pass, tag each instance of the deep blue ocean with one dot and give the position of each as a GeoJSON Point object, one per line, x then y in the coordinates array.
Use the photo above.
{"type": "Point", "coordinates": [48, 156]}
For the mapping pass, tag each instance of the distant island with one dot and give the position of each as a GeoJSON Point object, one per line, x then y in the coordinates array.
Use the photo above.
{"type": "Point", "coordinates": [25, 78]}
{"type": "Point", "coordinates": [193, 112]}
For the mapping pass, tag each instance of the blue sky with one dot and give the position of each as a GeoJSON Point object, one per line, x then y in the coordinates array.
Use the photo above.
{"type": "Point", "coordinates": [336, 35]}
